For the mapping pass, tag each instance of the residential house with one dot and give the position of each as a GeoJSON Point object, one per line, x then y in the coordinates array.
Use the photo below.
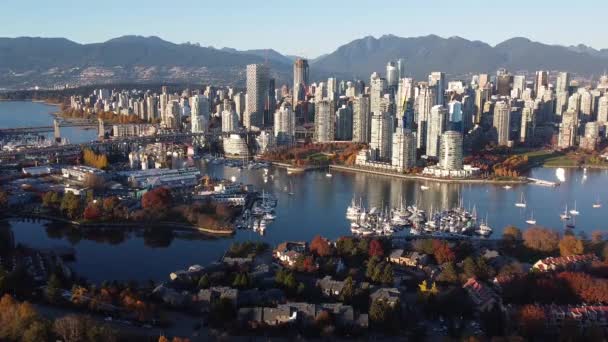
{"type": "Point", "coordinates": [289, 252]}
{"type": "Point", "coordinates": [412, 259]}
{"type": "Point", "coordinates": [482, 295]}
{"type": "Point", "coordinates": [567, 263]}
{"type": "Point", "coordinates": [330, 287]}
{"type": "Point", "coordinates": [389, 295]}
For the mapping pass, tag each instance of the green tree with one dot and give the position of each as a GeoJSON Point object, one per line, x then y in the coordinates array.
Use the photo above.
{"type": "Point", "coordinates": [70, 204]}
{"type": "Point", "coordinates": [203, 282]}
{"type": "Point", "coordinates": [53, 289]}
{"type": "Point", "coordinates": [448, 274]}
{"type": "Point", "coordinates": [469, 266]}
{"type": "Point", "coordinates": [387, 274]}
{"type": "Point", "coordinates": [371, 266]}
{"type": "Point", "coordinates": [3, 200]}
{"type": "Point", "coordinates": [380, 312]}
{"type": "Point", "coordinates": [348, 291]}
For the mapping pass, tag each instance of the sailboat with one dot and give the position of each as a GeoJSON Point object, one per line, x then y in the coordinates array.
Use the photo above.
{"type": "Point", "coordinates": [560, 173]}
{"type": "Point", "coordinates": [574, 211]}
{"type": "Point", "coordinates": [597, 203]}
{"type": "Point", "coordinates": [522, 202]}
{"type": "Point", "coordinates": [565, 216]}
{"type": "Point", "coordinates": [328, 174]}
{"type": "Point", "coordinates": [507, 187]}
{"type": "Point", "coordinates": [531, 220]}
{"type": "Point", "coordinates": [290, 193]}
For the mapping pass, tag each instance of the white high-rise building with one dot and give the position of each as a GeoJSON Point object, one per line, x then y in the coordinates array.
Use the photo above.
{"type": "Point", "coordinates": [230, 121]}
{"type": "Point", "coordinates": [361, 119]}
{"type": "Point", "coordinates": [602, 109]}
{"type": "Point", "coordinates": [563, 82]}
{"type": "Point", "coordinates": [285, 125]}
{"type": "Point", "coordinates": [173, 118]}
{"type": "Point", "coordinates": [574, 103]}
{"type": "Point", "coordinates": [332, 88]}
{"type": "Point", "coordinates": [324, 121]}
{"type": "Point", "coordinates": [422, 111]}
{"type": "Point", "coordinates": [239, 105]}
{"type": "Point", "coordinates": [501, 121]}
{"type": "Point", "coordinates": [405, 92]}
{"type": "Point", "coordinates": [377, 88]}
{"type": "Point", "coordinates": [568, 130]}
{"type": "Point", "coordinates": [450, 153]}
{"type": "Point", "coordinates": [404, 149]}
{"type": "Point", "coordinates": [587, 105]}
{"type": "Point", "coordinates": [257, 95]}
{"type": "Point", "coordinates": [435, 127]}
{"type": "Point", "coordinates": [381, 135]}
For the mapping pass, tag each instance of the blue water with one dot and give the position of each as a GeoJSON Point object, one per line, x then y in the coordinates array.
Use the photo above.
{"type": "Point", "coordinates": [318, 207]}
{"type": "Point", "coordinates": [31, 114]}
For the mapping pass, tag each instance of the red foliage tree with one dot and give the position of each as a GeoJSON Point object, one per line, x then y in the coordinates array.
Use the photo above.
{"type": "Point", "coordinates": [309, 264]}
{"type": "Point", "coordinates": [320, 246]}
{"type": "Point", "coordinates": [442, 252]}
{"type": "Point", "coordinates": [532, 319]}
{"type": "Point", "coordinates": [375, 248]}
{"type": "Point", "coordinates": [157, 199]}
{"type": "Point", "coordinates": [91, 213]}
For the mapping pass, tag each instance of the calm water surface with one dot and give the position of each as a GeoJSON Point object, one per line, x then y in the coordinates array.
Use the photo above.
{"type": "Point", "coordinates": [32, 114]}
{"type": "Point", "coordinates": [318, 207]}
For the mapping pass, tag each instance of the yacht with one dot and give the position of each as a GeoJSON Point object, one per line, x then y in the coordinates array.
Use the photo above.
{"type": "Point", "coordinates": [353, 210]}
{"type": "Point", "coordinates": [484, 229]}
{"type": "Point", "coordinates": [507, 187]}
{"type": "Point", "coordinates": [522, 202]}
{"type": "Point", "coordinates": [269, 216]}
{"type": "Point", "coordinates": [597, 203]}
{"type": "Point", "coordinates": [565, 216]}
{"type": "Point", "coordinates": [424, 187]}
{"type": "Point", "coordinates": [574, 212]}
{"type": "Point", "coordinates": [531, 220]}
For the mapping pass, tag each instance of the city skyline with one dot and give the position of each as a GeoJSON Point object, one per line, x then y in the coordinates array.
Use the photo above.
{"type": "Point", "coordinates": [231, 27]}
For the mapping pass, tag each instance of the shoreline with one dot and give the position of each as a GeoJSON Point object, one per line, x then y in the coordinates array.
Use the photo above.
{"type": "Point", "coordinates": [428, 178]}
{"type": "Point", "coordinates": [163, 224]}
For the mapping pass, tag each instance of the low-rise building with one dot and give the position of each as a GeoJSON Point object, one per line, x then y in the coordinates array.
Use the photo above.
{"type": "Point", "coordinates": [389, 295]}
{"type": "Point", "coordinates": [330, 287]}
{"type": "Point", "coordinates": [289, 252]}
{"type": "Point", "coordinates": [567, 263]}
{"type": "Point", "coordinates": [412, 259]}
{"type": "Point", "coordinates": [80, 172]}
{"type": "Point", "coordinates": [484, 298]}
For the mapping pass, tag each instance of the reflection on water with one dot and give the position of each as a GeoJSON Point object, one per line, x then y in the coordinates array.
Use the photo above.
{"type": "Point", "coordinates": [317, 207]}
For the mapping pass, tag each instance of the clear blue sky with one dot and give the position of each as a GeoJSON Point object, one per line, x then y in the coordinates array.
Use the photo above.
{"type": "Point", "coordinates": [305, 27]}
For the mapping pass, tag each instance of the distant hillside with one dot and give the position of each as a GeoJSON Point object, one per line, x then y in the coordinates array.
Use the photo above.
{"type": "Point", "coordinates": [29, 61]}
{"type": "Point", "coordinates": [456, 56]}
{"type": "Point", "coordinates": [26, 61]}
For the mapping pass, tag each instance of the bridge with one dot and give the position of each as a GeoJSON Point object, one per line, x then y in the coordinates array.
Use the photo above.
{"type": "Point", "coordinates": [47, 129]}
{"type": "Point", "coordinates": [118, 142]}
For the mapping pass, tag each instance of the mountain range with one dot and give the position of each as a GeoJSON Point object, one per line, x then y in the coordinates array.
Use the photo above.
{"type": "Point", "coordinates": [47, 62]}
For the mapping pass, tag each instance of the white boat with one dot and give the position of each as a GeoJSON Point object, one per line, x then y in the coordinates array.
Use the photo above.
{"type": "Point", "coordinates": [574, 212]}
{"type": "Point", "coordinates": [531, 220]}
{"type": "Point", "coordinates": [565, 216]}
{"type": "Point", "coordinates": [522, 202]}
{"type": "Point", "coordinates": [507, 187]}
{"type": "Point", "coordinates": [424, 187]}
{"type": "Point", "coordinates": [560, 173]}
{"type": "Point", "coordinates": [269, 216]}
{"type": "Point", "coordinates": [597, 203]}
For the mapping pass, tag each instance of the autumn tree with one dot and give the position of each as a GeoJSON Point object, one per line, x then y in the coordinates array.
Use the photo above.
{"type": "Point", "coordinates": [541, 239]}
{"type": "Point", "coordinates": [376, 248]}
{"type": "Point", "coordinates": [159, 199]}
{"type": "Point", "coordinates": [570, 245]}
{"type": "Point", "coordinates": [70, 205]}
{"type": "Point", "coordinates": [511, 235]}
{"type": "Point", "coordinates": [442, 252]}
{"type": "Point", "coordinates": [532, 319]}
{"type": "Point", "coordinates": [3, 200]}
{"type": "Point", "coordinates": [448, 274]}
{"type": "Point", "coordinates": [320, 246]}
